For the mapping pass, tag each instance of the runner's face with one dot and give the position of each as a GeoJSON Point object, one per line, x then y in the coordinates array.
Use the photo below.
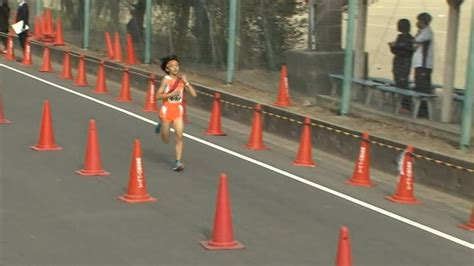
{"type": "Point", "coordinates": [173, 67]}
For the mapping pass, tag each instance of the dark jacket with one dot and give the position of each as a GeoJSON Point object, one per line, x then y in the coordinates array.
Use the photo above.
{"type": "Point", "coordinates": [4, 18]}
{"type": "Point", "coordinates": [403, 50]}
{"type": "Point", "coordinates": [23, 13]}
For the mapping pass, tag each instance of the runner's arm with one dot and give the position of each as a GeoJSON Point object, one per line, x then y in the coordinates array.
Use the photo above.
{"type": "Point", "coordinates": [161, 91]}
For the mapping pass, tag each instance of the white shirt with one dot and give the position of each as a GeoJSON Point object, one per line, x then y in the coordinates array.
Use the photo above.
{"type": "Point", "coordinates": [419, 59]}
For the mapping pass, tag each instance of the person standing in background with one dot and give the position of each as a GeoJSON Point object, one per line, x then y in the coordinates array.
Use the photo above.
{"type": "Point", "coordinates": [4, 23]}
{"type": "Point", "coordinates": [23, 13]}
{"type": "Point", "coordinates": [423, 58]}
{"type": "Point", "coordinates": [403, 50]}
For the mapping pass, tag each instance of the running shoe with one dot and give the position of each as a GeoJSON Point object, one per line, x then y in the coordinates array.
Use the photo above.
{"type": "Point", "coordinates": [158, 128]}
{"type": "Point", "coordinates": [178, 166]}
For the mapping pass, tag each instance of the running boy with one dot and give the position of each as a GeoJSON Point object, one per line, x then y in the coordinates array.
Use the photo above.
{"type": "Point", "coordinates": [171, 91]}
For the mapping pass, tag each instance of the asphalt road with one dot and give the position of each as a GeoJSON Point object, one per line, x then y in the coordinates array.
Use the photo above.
{"type": "Point", "coordinates": [283, 215]}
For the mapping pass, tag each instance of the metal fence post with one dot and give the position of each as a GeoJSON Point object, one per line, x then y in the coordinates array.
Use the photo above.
{"type": "Point", "coordinates": [87, 29]}
{"type": "Point", "coordinates": [147, 55]}
{"type": "Point", "coordinates": [466, 125]}
{"type": "Point", "coordinates": [348, 58]}
{"type": "Point", "coordinates": [232, 41]}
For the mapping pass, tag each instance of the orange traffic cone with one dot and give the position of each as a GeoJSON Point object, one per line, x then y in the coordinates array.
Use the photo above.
{"type": "Point", "coordinates": [405, 191]}
{"type": "Point", "coordinates": [117, 48]}
{"type": "Point", "coordinates": [81, 79]}
{"type": "Point", "coordinates": [48, 18]}
{"type": "Point", "coordinates": [283, 98]}
{"type": "Point", "coordinates": [101, 86]}
{"type": "Point", "coordinates": [137, 191]}
{"type": "Point", "coordinates": [27, 60]}
{"type": "Point", "coordinates": [256, 135]}
{"type": "Point", "coordinates": [344, 254]}
{"type": "Point", "coordinates": [150, 101]}
{"type": "Point", "coordinates": [361, 175]}
{"type": "Point", "coordinates": [305, 151]}
{"type": "Point", "coordinates": [131, 58]}
{"type": "Point", "coordinates": [3, 120]}
{"type": "Point", "coordinates": [38, 32]}
{"type": "Point", "coordinates": [222, 233]}
{"type": "Point", "coordinates": [10, 55]}
{"type": "Point", "coordinates": [108, 43]}
{"type": "Point", "coordinates": [46, 138]}
{"type": "Point", "coordinates": [125, 88]}
{"type": "Point", "coordinates": [214, 127]}
{"type": "Point", "coordinates": [92, 162]}
{"type": "Point", "coordinates": [66, 73]}
{"type": "Point", "coordinates": [470, 224]}
{"type": "Point", "coordinates": [59, 39]}
{"type": "Point", "coordinates": [46, 67]}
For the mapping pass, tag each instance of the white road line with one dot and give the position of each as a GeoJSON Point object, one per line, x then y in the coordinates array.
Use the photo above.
{"type": "Point", "coordinates": [266, 166]}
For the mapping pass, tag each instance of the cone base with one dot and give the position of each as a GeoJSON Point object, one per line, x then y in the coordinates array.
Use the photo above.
{"type": "Point", "coordinates": [215, 133]}
{"type": "Point", "coordinates": [149, 110]}
{"type": "Point", "coordinates": [10, 58]}
{"type": "Point", "coordinates": [39, 148]}
{"type": "Point", "coordinates": [259, 147]}
{"type": "Point", "coordinates": [59, 44]}
{"type": "Point", "coordinates": [123, 100]}
{"type": "Point", "coordinates": [397, 199]}
{"type": "Point", "coordinates": [132, 199]}
{"type": "Point", "coordinates": [209, 245]}
{"type": "Point", "coordinates": [468, 227]}
{"type": "Point", "coordinates": [5, 121]}
{"type": "Point", "coordinates": [99, 92]}
{"type": "Point", "coordinates": [84, 172]}
{"type": "Point", "coordinates": [303, 163]}
{"type": "Point", "coordinates": [81, 84]}
{"type": "Point", "coordinates": [360, 183]}
{"type": "Point", "coordinates": [282, 104]}
{"type": "Point", "coordinates": [27, 63]}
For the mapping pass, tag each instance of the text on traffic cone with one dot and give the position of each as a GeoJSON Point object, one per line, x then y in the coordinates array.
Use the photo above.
{"type": "Point", "coordinates": [46, 66]}
{"type": "Point", "coordinates": [256, 134]}
{"type": "Point", "coordinates": [405, 190]}
{"type": "Point", "coordinates": [81, 78]}
{"type": "Point", "coordinates": [215, 128]}
{"type": "Point", "coordinates": [66, 72]}
{"type": "Point", "coordinates": [10, 55]}
{"type": "Point", "coordinates": [150, 100]}
{"type": "Point", "coordinates": [283, 98]}
{"type": "Point", "coordinates": [137, 191]}
{"type": "Point", "coordinates": [27, 59]}
{"type": "Point", "coordinates": [101, 86]}
{"type": "Point", "coordinates": [305, 151]}
{"type": "Point", "coordinates": [361, 175]}
{"type": "Point", "coordinates": [125, 95]}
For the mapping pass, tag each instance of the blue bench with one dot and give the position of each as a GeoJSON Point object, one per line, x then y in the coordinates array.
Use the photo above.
{"type": "Point", "coordinates": [411, 83]}
{"type": "Point", "coordinates": [388, 87]}
{"type": "Point", "coordinates": [416, 97]}
{"type": "Point", "coordinates": [362, 82]}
